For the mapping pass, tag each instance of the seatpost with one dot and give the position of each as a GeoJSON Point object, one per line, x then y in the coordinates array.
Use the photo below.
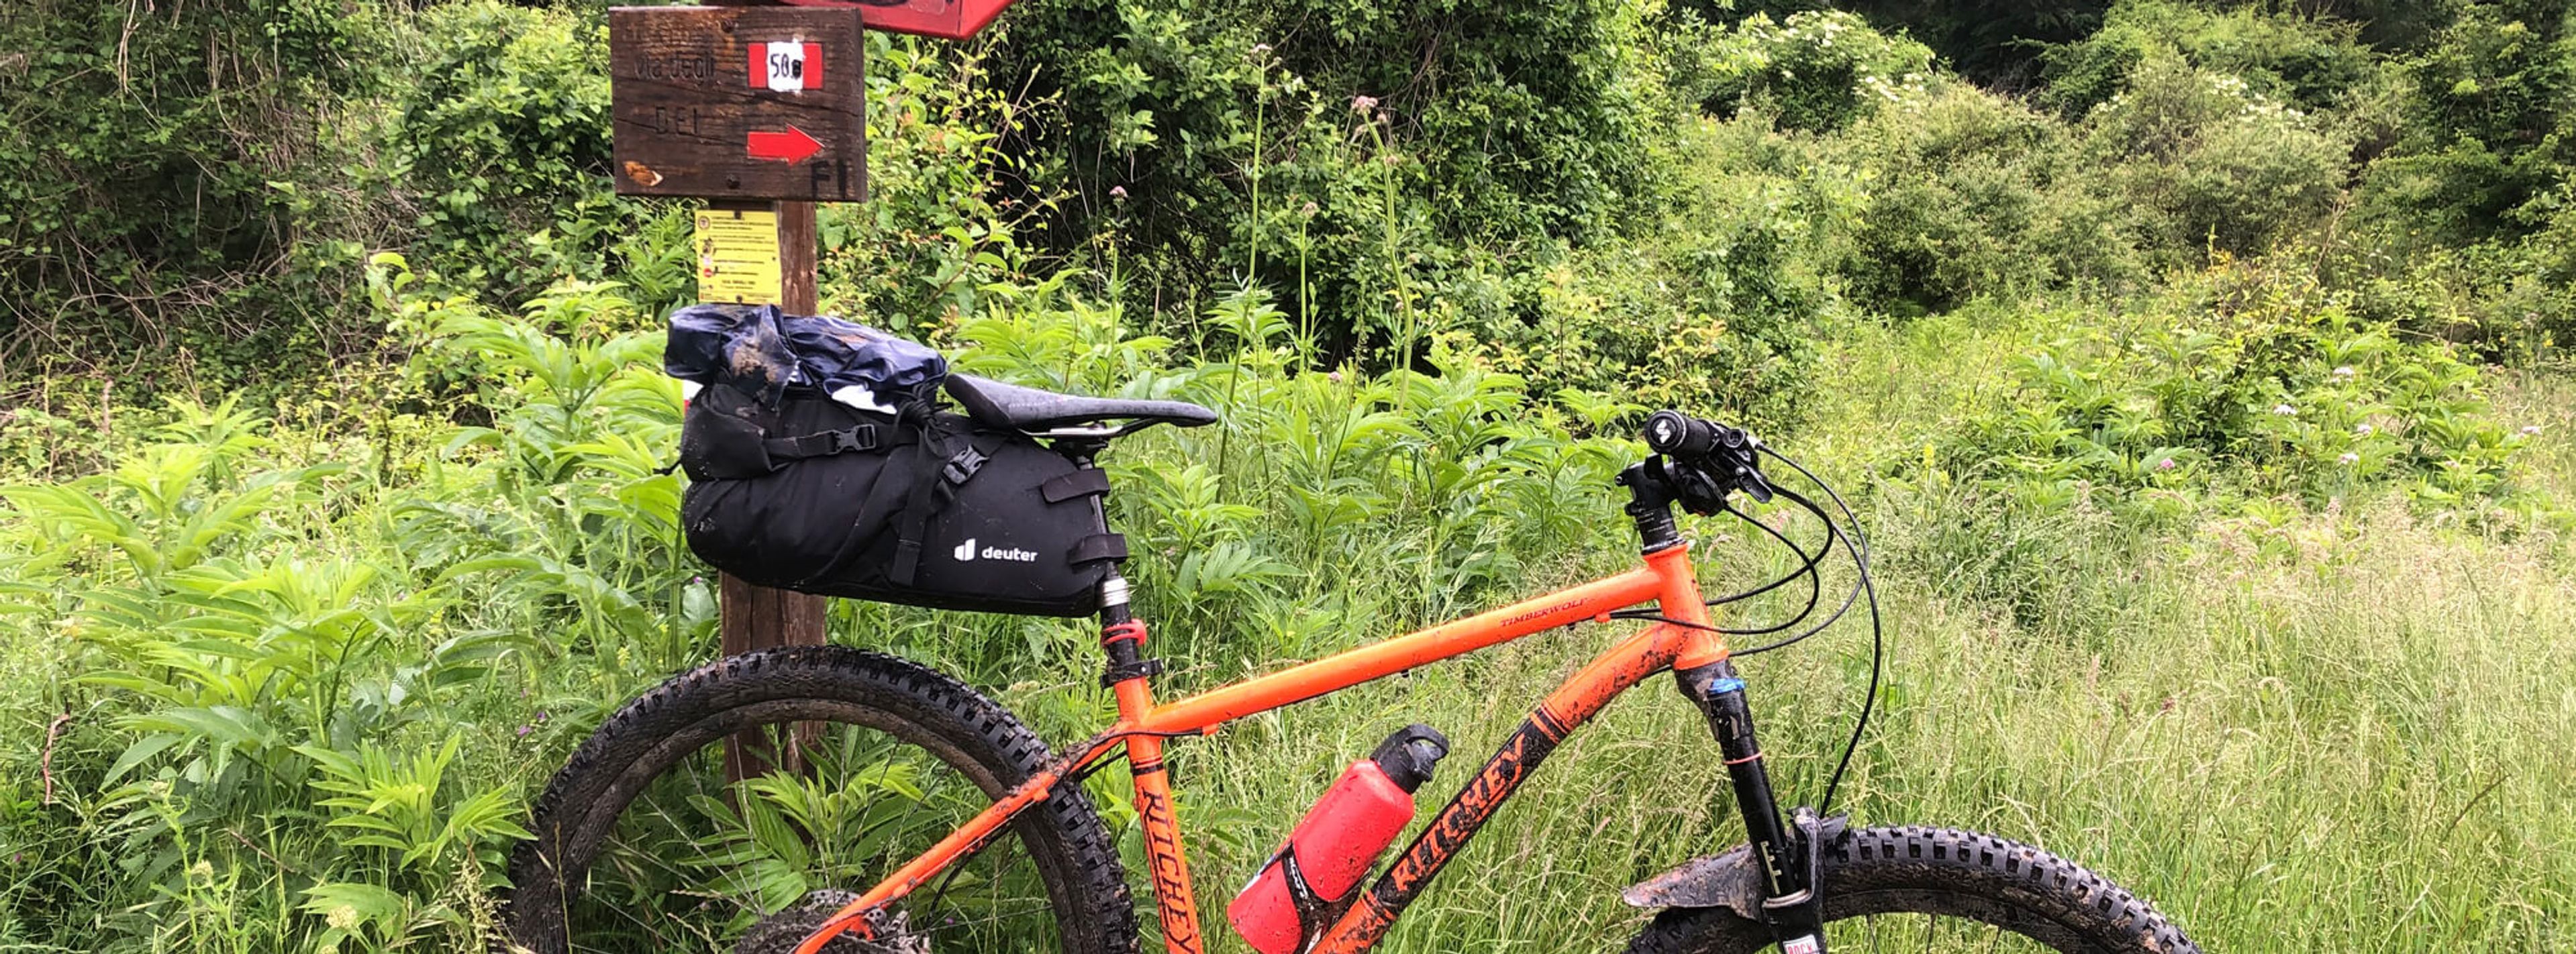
{"type": "Point", "coordinates": [1122, 639]}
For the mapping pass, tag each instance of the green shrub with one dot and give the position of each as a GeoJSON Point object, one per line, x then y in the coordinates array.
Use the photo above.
{"type": "Point", "coordinates": [1368, 135]}
{"type": "Point", "coordinates": [1972, 194]}
{"type": "Point", "coordinates": [173, 184]}
{"type": "Point", "coordinates": [1815, 71]}
{"type": "Point", "coordinates": [501, 148]}
{"type": "Point", "coordinates": [2509, 300]}
{"type": "Point", "coordinates": [2266, 384]}
{"type": "Point", "coordinates": [2490, 129]}
{"type": "Point", "coordinates": [2314, 64]}
{"type": "Point", "coordinates": [2209, 163]}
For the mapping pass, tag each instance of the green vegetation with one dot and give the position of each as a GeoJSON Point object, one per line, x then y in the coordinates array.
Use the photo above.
{"type": "Point", "coordinates": [2197, 371]}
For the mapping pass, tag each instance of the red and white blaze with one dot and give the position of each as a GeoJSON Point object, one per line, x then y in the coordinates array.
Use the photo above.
{"type": "Point", "coordinates": [786, 67]}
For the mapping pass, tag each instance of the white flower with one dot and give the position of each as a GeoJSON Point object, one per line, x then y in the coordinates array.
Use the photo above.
{"type": "Point", "coordinates": [2285, 410]}
{"type": "Point", "coordinates": [2361, 430]}
{"type": "Point", "coordinates": [2531, 430]}
{"type": "Point", "coordinates": [2343, 372]}
{"type": "Point", "coordinates": [2349, 458]}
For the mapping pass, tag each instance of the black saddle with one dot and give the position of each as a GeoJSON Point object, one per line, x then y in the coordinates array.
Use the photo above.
{"type": "Point", "coordinates": [995, 404]}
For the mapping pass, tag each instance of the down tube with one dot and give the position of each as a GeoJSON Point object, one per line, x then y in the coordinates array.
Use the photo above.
{"type": "Point", "coordinates": [1571, 705]}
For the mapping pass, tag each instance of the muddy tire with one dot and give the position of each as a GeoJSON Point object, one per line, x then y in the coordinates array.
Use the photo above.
{"type": "Point", "coordinates": [1939, 889]}
{"type": "Point", "coordinates": [625, 815]}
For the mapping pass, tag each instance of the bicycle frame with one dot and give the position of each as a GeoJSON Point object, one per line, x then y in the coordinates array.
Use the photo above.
{"type": "Point", "coordinates": [1666, 579]}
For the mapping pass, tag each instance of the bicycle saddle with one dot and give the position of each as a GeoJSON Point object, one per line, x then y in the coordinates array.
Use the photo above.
{"type": "Point", "coordinates": [995, 404]}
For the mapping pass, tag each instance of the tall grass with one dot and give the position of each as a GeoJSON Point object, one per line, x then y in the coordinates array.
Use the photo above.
{"type": "Point", "coordinates": [312, 668]}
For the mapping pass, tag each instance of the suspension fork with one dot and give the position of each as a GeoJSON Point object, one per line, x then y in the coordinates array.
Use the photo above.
{"type": "Point", "coordinates": [1791, 902]}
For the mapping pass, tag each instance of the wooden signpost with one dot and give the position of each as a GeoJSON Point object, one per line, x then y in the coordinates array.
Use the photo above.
{"type": "Point", "coordinates": [738, 102]}
{"type": "Point", "coordinates": [761, 111]}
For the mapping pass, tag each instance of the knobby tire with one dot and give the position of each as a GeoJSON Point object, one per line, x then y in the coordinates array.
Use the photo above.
{"type": "Point", "coordinates": [980, 740]}
{"type": "Point", "coordinates": [2000, 884]}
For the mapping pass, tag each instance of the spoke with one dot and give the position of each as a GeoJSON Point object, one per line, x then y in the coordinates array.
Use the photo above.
{"type": "Point", "coordinates": [677, 875]}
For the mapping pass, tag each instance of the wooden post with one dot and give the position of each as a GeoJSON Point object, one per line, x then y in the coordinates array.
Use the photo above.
{"type": "Point", "coordinates": [756, 617]}
{"type": "Point", "coordinates": [757, 110]}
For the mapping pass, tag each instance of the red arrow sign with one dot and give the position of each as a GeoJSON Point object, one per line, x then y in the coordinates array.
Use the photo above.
{"type": "Point", "coordinates": [791, 147]}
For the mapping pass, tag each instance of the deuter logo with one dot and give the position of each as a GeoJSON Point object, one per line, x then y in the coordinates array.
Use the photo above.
{"type": "Point", "coordinates": [966, 553]}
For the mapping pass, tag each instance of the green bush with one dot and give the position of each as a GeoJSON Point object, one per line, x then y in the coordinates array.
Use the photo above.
{"type": "Point", "coordinates": [2210, 164]}
{"type": "Point", "coordinates": [1380, 140]}
{"type": "Point", "coordinates": [1972, 194]}
{"type": "Point", "coordinates": [172, 185]}
{"type": "Point", "coordinates": [2314, 64]}
{"type": "Point", "coordinates": [1815, 71]}
{"type": "Point", "coordinates": [2263, 382]}
{"type": "Point", "coordinates": [2509, 300]}
{"type": "Point", "coordinates": [2489, 129]}
{"type": "Point", "coordinates": [501, 148]}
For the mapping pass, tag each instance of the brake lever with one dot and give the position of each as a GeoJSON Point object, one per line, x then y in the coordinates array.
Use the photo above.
{"type": "Point", "coordinates": [1746, 454]}
{"type": "Point", "coordinates": [1753, 484]}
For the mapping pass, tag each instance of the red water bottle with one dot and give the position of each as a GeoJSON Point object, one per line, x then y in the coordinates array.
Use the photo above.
{"type": "Point", "coordinates": [1312, 875]}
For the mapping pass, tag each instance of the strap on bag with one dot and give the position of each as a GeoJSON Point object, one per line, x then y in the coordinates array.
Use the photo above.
{"type": "Point", "coordinates": [1084, 482]}
{"type": "Point", "coordinates": [892, 485]}
{"type": "Point", "coordinates": [825, 444]}
{"type": "Point", "coordinates": [928, 498]}
{"type": "Point", "coordinates": [1099, 546]}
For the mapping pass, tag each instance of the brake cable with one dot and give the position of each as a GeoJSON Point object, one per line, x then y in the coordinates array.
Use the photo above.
{"type": "Point", "coordinates": [1807, 569]}
{"type": "Point", "coordinates": [1806, 566]}
{"type": "Point", "coordinates": [1877, 635]}
{"type": "Point", "coordinates": [1857, 544]}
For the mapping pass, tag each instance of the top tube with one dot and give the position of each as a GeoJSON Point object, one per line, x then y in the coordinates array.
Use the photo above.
{"type": "Point", "coordinates": [1387, 657]}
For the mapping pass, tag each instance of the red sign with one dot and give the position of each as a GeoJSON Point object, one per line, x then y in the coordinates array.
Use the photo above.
{"type": "Point", "coordinates": [948, 19]}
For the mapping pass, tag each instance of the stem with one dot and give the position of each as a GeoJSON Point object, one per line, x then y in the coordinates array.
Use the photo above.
{"type": "Point", "coordinates": [1305, 294]}
{"type": "Point", "coordinates": [1260, 99]}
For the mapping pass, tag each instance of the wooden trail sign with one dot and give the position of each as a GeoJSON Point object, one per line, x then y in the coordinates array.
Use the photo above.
{"type": "Point", "coordinates": [763, 111]}
{"type": "Point", "coordinates": [738, 102]}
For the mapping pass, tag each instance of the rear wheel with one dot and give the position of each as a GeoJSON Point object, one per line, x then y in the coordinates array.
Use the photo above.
{"type": "Point", "coordinates": [643, 845]}
{"type": "Point", "coordinates": [1942, 890]}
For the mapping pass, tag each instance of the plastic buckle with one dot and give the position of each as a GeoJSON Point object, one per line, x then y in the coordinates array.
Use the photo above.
{"type": "Point", "coordinates": [963, 465]}
{"type": "Point", "coordinates": [860, 438]}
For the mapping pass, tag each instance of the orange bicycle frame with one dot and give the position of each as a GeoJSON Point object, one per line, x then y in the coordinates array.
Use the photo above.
{"type": "Point", "coordinates": [1666, 579]}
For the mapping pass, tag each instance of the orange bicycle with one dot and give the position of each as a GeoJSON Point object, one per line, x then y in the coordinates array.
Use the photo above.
{"type": "Point", "coordinates": [958, 830]}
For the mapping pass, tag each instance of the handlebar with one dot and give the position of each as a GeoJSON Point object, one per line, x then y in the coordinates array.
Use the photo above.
{"type": "Point", "coordinates": [1675, 434]}
{"type": "Point", "coordinates": [1714, 459]}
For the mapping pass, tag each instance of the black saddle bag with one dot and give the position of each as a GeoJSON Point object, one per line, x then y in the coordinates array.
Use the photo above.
{"type": "Point", "coordinates": [921, 508]}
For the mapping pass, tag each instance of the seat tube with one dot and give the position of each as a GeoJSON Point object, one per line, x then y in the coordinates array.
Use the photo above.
{"type": "Point", "coordinates": [1123, 636]}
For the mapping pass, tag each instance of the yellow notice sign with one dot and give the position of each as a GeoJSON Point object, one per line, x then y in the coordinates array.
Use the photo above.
{"type": "Point", "coordinates": [738, 257]}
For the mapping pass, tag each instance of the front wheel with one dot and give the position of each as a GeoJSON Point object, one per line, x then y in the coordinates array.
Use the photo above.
{"type": "Point", "coordinates": [1940, 890]}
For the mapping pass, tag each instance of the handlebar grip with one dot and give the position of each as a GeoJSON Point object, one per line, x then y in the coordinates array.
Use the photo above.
{"type": "Point", "coordinates": [1675, 434]}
